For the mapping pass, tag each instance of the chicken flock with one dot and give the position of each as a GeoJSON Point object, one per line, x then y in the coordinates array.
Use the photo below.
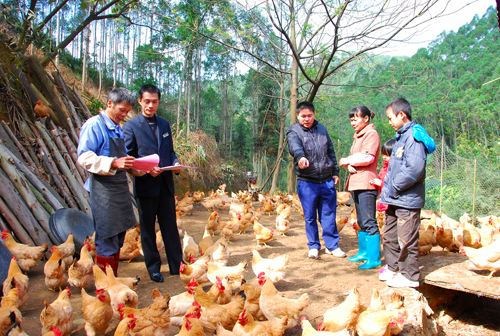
{"type": "Point", "coordinates": [218, 299]}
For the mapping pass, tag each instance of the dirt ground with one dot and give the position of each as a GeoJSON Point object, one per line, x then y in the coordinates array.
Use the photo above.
{"type": "Point", "coordinates": [326, 280]}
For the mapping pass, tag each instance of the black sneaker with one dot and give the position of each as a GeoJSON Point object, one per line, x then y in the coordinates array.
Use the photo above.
{"type": "Point", "coordinates": [156, 277]}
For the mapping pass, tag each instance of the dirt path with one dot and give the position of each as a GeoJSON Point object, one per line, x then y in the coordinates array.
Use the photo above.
{"type": "Point", "coordinates": [326, 280]}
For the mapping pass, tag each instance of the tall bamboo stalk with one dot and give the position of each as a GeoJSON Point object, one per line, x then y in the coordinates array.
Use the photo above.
{"type": "Point", "coordinates": [76, 187]}
{"type": "Point", "coordinates": [20, 210]}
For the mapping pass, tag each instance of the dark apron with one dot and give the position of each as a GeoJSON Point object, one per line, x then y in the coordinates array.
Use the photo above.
{"type": "Point", "coordinates": [110, 198]}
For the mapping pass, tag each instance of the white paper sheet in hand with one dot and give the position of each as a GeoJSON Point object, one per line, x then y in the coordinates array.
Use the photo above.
{"type": "Point", "coordinates": [146, 163]}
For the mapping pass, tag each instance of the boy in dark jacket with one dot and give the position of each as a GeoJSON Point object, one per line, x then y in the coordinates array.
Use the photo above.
{"type": "Point", "coordinates": [317, 174]}
{"type": "Point", "coordinates": [404, 192]}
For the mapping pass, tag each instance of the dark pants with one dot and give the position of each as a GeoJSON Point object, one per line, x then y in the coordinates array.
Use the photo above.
{"type": "Point", "coordinates": [163, 208]}
{"type": "Point", "coordinates": [365, 202]}
{"type": "Point", "coordinates": [319, 200]}
{"type": "Point", "coordinates": [401, 241]}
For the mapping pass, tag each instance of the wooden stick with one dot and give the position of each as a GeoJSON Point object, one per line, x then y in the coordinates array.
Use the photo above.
{"type": "Point", "coordinates": [72, 151]}
{"type": "Point", "coordinates": [24, 189]}
{"type": "Point", "coordinates": [49, 194]}
{"type": "Point", "coordinates": [14, 224]}
{"type": "Point", "coordinates": [77, 188]}
{"type": "Point", "coordinates": [21, 211]}
{"type": "Point", "coordinates": [54, 171]}
{"type": "Point", "coordinates": [66, 156]}
{"type": "Point", "coordinates": [4, 225]}
{"type": "Point", "coordinates": [25, 154]}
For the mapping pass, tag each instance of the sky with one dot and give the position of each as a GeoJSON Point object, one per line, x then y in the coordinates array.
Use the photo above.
{"type": "Point", "coordinates": [462, 12]}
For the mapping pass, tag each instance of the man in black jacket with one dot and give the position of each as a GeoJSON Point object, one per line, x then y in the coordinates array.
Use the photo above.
{"type": "Point", "coordinates": [317, 173]}
{"type": "Point", "coordinates": [149, 134]}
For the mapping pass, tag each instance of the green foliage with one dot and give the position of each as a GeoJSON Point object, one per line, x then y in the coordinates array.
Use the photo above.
{"type": "Point", "coordinates": [95, 105]}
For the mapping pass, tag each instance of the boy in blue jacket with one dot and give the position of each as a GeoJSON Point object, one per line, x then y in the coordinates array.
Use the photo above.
{"type": "Point", "coordinates": [404, 192]}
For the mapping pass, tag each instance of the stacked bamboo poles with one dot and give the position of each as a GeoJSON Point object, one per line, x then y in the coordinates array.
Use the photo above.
{"type": "Point", "coordinates": [38, 169]}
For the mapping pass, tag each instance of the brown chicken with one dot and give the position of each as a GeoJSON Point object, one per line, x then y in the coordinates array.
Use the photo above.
{"type": "Point", "coordinates": [41, 110]}
{"type": "Point", "coordinates": [91, 241]}
{"type": "Point", "coordinates": [58, 314]}
{"type": "Point", "coordinates": [134, 326]}
{"type": "Point", "coordinates": [54, 331]}
{"type": "Point", "coordinates": [343, 197]}
{"type": "Point", "coordinates": [274, 305]}
{"type": "Point", "coordinates": [268, 206]}
{"type": "Point", "coordinates": [157, 313]}
{"type": "Point", "coordinates": [67, 250]}
{"type": "Point", "coordinates": [213, 223]}
{"type": "Point", "coordinates": [119, 292]}
{"type": "Point", "coordinates": [212, 313]}
{"type": "Point", "coordinates": [344, 315]}
{"type": "Point", "coordinates": [381, 322]}
{"type": "Point", "coordinates": [252, 297]}
{"type": "Point", "coordinates": [101, 279]}
{"type": "Point", "coordinates": [131, 249]}
{"type": "Point", "coordinates": [10, 318]}
{"type": "Point", "coordinates": [205, 242]}
{"type": "Point", "coordinates": [484, 258]}
{"type": "Point", "coordinates": [308, 330]}
{"type": "Point", "coordinates": [219, 252]}
{"type": "Point", "coordinates": [191, 324]}
{"type": "Point", "coordinates": [80, 273]}
{"type": "Point", "coordinates": [247, 326]}
{"type": "Point", "coordinates": [97, 312]}
{"type": "Point", "coordinates": [447, 237]}
{"type": "Point", "coordinates": [472, 237]}
{"type": "Point", "coordinates": [16, 279]}
{"type": "Point", "coordinates": [198, 196]}
{"type": "Point", "coordinates": [220, 292]}
{"type": "Point", "coordinates": [55, 270]}
{"type": "Point", "coordinates": [282, 224]}
{"type": "Point", "coordinates": [427, 239]}
{"type": "Point", "coordinates": [26, 256]}
{"type": "Point", "coordinates": [341, 222]}
{"type": "Point", "coordinates": [196, 271]}
{"type": "Point", "coordinates": [263, 235]}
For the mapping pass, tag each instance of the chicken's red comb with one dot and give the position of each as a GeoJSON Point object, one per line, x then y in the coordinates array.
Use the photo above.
{"type": "Point", "coordinates": [68, 289]}
{"type": "Point", "coordinates": [100, 291]}
{"type": "Point", "coordinates": [196, 304]}
{"type": "Point", "coordinates": [193, 283]}
{"type": "Point", "coordinates": [56, 331]}
{"type": "Point", "coordinates": [5, 234]}
{"type": "Point", "coordinates": [261, 275]}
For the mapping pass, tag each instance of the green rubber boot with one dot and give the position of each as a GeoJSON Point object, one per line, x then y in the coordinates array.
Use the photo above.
{"type": "Point", "coordinates": [372, 252]}
{"type": "Point", "coordinates": [361, 255]}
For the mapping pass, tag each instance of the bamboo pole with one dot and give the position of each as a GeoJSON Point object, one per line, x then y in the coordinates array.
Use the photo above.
{"type": "Point", "coordinates": [66, 156]}
{"type": "Point", "coordinates": [77, 188]}
{"type": "Point", "coordinates": [54, 171]}
{"type": "Point", "coordinates": [21, 211]}
{"type": "Point", "coordinates": [72, 151]}
{"type": "Point", "coordinates": [441, 177]}
{"type": "Point", "coordinates": [48, 193]}
{"type": "Point", "coordinates": [24, 189]}
{"type": "Point", "coordinates": [474, 193]}
{"type": "Point", "coordinates": [14, 225]}
{"type": "Point", "coordinates": [20, 147]}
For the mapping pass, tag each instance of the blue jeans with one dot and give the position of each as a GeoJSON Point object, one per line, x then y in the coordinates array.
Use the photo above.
{"type": "Point", "coordinates": [364, 200]}
{"type": "Point", "coordinates": [109, 246]}
{"type": "Point", "coordinates": [319, 201]}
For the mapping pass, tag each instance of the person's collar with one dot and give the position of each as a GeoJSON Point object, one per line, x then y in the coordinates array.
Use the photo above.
{"type": "Point", "coordinates": [405, 127]}
{"type": "Point", "coordinates": [108, 121]}
{"type": "Point", "coordinates": [363, 131]}
{"type": "Point", "coordinates": [153, 118]}
{"type": "Point", "coordinates": [315, 123]}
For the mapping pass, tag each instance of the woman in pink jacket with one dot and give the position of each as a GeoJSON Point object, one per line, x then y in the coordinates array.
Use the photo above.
{"type": "Point", "coordinates": [362, 167]}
